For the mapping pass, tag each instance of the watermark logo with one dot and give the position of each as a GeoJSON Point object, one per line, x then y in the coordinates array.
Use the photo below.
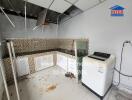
{"type": "Point", "coordinates": [117, 11]}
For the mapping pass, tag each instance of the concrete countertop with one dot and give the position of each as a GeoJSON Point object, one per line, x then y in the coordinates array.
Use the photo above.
{"type": "Point", "coordinates": [70, 52]}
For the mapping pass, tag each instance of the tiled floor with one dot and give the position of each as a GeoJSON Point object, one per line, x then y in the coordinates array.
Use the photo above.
{"type": "Point", "coordinates": [51, 84]}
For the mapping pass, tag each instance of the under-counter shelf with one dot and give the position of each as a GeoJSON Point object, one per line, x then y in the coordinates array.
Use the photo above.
{"type": "Point", "coordinates": [32, 63]}
{"type": "Point", "coordinates": [67, 62]}
{"type": "Point", "coordinates": [62, 61]}
{"type": "Point", "coordinates": [22, 66]}
{"type": "Point", "coordinates": [43, 62]}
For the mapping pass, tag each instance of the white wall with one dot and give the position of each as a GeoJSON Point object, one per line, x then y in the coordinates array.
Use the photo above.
{"type": "Point", "coordinates": [19, 31]}
{"type": "Point", "coordinates": [1, 82]}
{"type": "Point", "coordinates": [105, 33]}
{"type": "Point", "coordinates": [1, 85]}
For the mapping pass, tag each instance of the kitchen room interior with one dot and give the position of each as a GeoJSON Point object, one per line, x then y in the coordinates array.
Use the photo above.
{"type": "Point", "coordinates": [65, 49]}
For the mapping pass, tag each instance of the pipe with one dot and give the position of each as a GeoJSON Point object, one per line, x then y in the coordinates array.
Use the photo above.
{"type": "Point", "coordinates": [7, 17]}
{"type": "Point", "coordinates": [44, 19]}
{"type": "Point", "coordinates": [25, 7]}
{"type": "Point", "coordinates": [76, 56]}
{"type": "Point", "coordinates": [14, 56]}
{"type": "Point", "coordinates": [4, 80]}
{"type": "Point", "coordinates": [44, 16]}
{"type": "Point", "coordinates": [58, 24]}
{"type": "Point", "coordinates": [13, 69]}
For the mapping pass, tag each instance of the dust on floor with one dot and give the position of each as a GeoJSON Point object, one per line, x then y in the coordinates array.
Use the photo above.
{"type": "Point", "coordinates": [58, 86]}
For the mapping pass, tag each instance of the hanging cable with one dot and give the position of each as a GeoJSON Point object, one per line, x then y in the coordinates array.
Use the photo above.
{"type": "Point", "coordinates": [120, 69]}
{"type": "Point", "coordinates": [123, 74]}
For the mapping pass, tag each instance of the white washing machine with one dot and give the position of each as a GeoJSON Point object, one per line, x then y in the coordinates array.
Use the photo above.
{"type": "Point", "coordinates": [97, 72]}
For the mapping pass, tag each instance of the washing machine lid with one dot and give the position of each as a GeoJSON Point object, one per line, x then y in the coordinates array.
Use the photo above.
{"type": "Point", "coordinates": [100, 56]}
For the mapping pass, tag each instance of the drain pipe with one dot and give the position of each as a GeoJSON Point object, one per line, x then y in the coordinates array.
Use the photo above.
{"type": "Point", "coordinates": [11, 50]}
{"type": "Point", "coordinates": [7, 17]}
{"type": "Point", "coordinates": [4, 80]}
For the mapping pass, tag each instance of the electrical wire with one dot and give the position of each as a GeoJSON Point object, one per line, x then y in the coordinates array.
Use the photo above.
{"type": "Point", "coordinates": [120, 69]}
{"type": "Point", "coordinates": [123, 73]}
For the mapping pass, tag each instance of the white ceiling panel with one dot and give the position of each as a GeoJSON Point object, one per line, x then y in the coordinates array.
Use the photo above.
{"type": "Point", "coordinates": [72, 1]}
{"type": "Point", "coordinates": [42, 3]}
{"type": "Point", "coordinates": [85, 4]}
{"type": "Point", "coordinates": [60, 6]}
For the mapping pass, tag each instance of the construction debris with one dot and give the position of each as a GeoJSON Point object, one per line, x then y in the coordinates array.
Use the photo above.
{"type": "Point", "coordinates": [70, 75]}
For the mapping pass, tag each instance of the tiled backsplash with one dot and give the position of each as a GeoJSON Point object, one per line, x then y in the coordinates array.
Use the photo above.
{"type": "Point", "coordinates": [29, 45]}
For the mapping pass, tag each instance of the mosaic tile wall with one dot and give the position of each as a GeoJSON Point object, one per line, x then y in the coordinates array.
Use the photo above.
{"type": "Point", "coordinates": [66, 44]}
{"type": "Point", "coordinates": [29, 45]}
{"type": "Point", "coordinates": [8, 71]}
